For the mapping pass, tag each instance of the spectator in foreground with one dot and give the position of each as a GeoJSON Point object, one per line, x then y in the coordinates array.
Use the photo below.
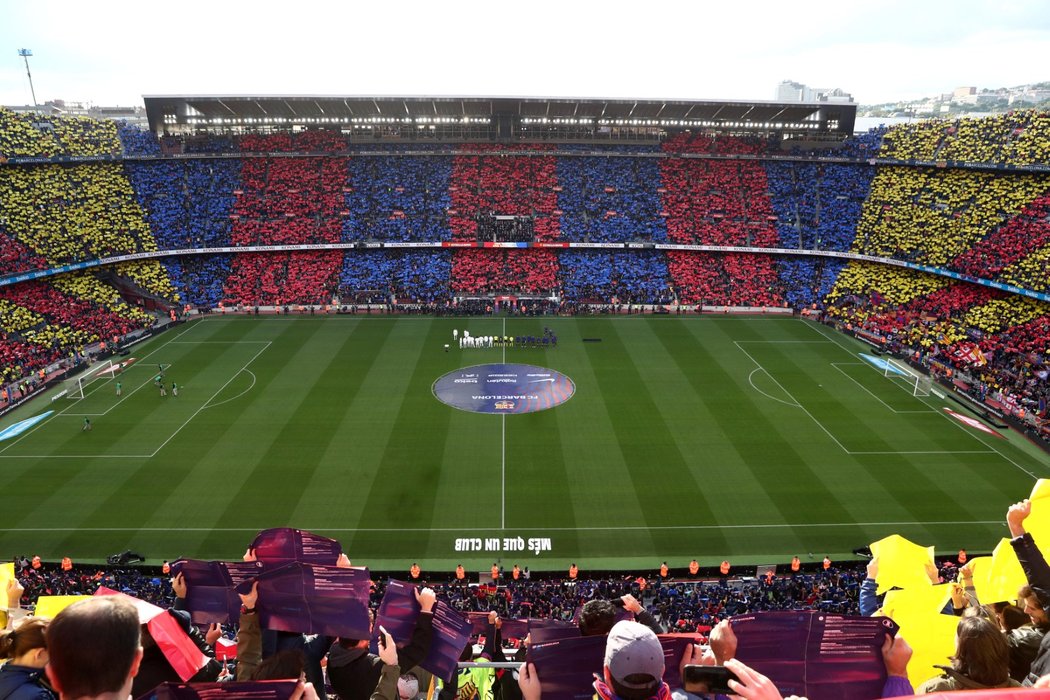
{"type": "Point", "coordinates": [355, 673]}
{"type": "Point", "coordinates": [598, 616]}
{"type": "Point", "coordinates": [1036, 595]}
{"type": "Point", "coordinates": [634, 664]}
{"type": "Point", "coordinates": [981, 660]}
{"type": "Point", "coordinates": [22, 678]}
{"type": "Point", "coordinates": [93, 648]}
{"type": "Point", "coordinates": [633, 668]}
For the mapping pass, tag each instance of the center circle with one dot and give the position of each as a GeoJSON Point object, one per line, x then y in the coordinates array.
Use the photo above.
{"type": "Point", "coordinates": [504, 388]}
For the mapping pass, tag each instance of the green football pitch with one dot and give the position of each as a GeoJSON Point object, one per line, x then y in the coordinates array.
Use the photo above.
{"type": "Point", "coordinates": [751, 439]}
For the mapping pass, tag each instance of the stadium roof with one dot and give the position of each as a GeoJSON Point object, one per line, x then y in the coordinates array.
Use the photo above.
{"type": "Point", "coordinates": [179, 113]}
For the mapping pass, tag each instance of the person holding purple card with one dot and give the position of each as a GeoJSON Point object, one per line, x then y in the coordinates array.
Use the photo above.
{"type": "Point", "coordinates": [354, 672]}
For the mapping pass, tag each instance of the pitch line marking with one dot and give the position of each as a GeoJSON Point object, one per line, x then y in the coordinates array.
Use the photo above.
{"type": "Point", "coordinates": [788, 393]}
{"type": "Point", "coordinates": [752, 383]}
{"type": "Point", "coordinates": [63, 411]}
{"type": "Point", "coordinates": [846, 374]}
{"type": "Point", "coordinates": [232, 398]}
{"type": "Point", "coordinates": [185, 423]}
{"type": "Point", "coordinates": [818, 329]}
{"type": "Point", "coordinates": [756, 526]}
{"type": "Point", "coordinates": [217, 392]}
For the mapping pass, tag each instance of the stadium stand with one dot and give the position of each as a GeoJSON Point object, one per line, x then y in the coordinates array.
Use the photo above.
{"type": "Point", "coordinates": [986, 223]}
{"type": "Point", "coordinates": [692, 189]}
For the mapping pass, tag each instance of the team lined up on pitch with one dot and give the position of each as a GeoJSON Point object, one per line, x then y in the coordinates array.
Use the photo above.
{"type": "Point", "coordinates": [466, 341]}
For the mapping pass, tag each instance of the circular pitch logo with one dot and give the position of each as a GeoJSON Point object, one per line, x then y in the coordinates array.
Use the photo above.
{"type": "Point", "coordinates": [500, 388]}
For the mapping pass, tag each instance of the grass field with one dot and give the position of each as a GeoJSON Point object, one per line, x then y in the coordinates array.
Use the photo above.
{"type": "Point", "coordinates": [751, 439]}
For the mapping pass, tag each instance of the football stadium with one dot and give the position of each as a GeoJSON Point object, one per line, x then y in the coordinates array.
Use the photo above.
{"type": "Point", "coordinates": [532, 352]}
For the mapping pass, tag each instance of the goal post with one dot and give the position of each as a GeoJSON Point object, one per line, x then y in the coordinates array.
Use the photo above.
{"type": "Point", "coordinates": [919, 383]}
{"type": "Point", "coordinates": [75, 387]}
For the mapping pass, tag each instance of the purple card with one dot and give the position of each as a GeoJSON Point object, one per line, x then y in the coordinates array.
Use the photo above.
{"type": "Point", "coordinates": [516, 629]}
{"type": "Point", "coordinates": [210, 594]}
{"type": "Point", "coordinates": [398, 613]}
{"type": "Point", "coordinates": [674, 649]}
{"type": "Point", "coordinates": [566, 667]}
{"type": "Point", "coordinates": [798, 649]}
{"type": "Point", "coordinates": [451, 636]}
{"type": "Point", "coordinates": [281, 545]}
{"type": "Point", "coordinates": [479, 622]}
{"type": "Point", "coordinates": [328, 600]}
{"type": "Point", "coordinates": [538, 634]}
{"type": "Point", "coordinates": [234, 690]}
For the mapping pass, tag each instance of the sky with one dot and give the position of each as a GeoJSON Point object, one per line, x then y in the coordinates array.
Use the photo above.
{"type": "Point", "coordinates": [109, 53]}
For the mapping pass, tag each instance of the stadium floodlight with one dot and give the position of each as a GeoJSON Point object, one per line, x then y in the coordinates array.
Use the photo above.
{"type": "Point", "coordinates": [25, 54]}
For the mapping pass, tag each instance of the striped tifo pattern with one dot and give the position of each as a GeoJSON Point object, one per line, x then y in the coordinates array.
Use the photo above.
{"type": "Point", "coordinates": [506, 186]}
{"type": "Point", "coordinates": [286, 201]}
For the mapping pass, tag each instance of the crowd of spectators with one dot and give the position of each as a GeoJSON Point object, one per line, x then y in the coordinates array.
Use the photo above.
{"type": "Point", "coordinates": [16, 256]}
{"type": "Point", "coordinates": [933, 216]}
{"type": "Point", "coordinates": [409, 275]}
{"type": "Point", "coordinates": [136, 141]}
{"type": "Point", "coordinates": [725, 279]}
{"type": "Point", "coordinates": [610, 199]}
{"type": "Point", "coordinates": [187, 202]}
{"type": "Point", "coordinates": [495, 271]}
{"type": "Point", "coordinates": [999, 339]}
{"type": "Point", "coordinates": [44, 322]}
{"type": "Point", "coordinates": [73, 213]}
{"type": "Point", "coordinates": [1021, 137]}
{"type": "Point", "coordinates": [506, 186]}
{"type": "Point", "coordinates": [601, 276]}
{"type": "Point", "coordinates": [1010, 253]}
{"type": "Point", "coordinates": [287, 200]}
{"type": "Point", "coordinates": [397, 198]}
{"type": "Point", "coordinates": [981, 223]}
{"type": "Point", "coordinates": [698, 605]}
{"type": "Point", "coordinates": [200, 279]}
{"type": "Point", "coordinates": [52, 135]}
{"type": "Point", "coordinates": [808, 281]}
{"type": "Point", "coordinates": [682, 603]}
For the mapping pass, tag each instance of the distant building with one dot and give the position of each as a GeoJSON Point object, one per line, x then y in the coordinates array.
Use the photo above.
{"type": "Point", "coordinates": [790, 91]}
{"type": "Point", "coordinates": [1029, 95]}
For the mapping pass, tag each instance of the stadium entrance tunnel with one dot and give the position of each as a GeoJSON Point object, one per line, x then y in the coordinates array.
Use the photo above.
{"type": "Point", "coordinates": [503, 388]}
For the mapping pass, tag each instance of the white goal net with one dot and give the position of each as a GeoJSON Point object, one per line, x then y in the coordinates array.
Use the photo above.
{"type": "Point", "coordinates": [918, 384]}
{"type": "Point", "coordinates": [75, 387]}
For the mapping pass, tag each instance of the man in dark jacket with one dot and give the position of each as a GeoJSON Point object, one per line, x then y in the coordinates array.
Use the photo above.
{"type": "Point", "coordinates": [354, 672]}
{"type": "Point", "coordinates": [1036, 595]}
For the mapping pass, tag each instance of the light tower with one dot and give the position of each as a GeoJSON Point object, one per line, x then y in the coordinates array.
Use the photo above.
{"type": "Point", "coordinates": [25, 54]}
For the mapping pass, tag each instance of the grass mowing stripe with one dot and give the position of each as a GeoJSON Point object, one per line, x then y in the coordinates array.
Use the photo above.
{"type": "Point", "coordinates": [542, 486]}
{"type": "Point", "coordinates": [724, 470]}
{"type": "Point", "coordinates": [256, 484]}
{"type": "Point", "coordinates": [325, 383]}
{"type": "Point", "coordinates": [402, 494]}
{"type": "Point", "coordinates": [347, 464]}
{"type": "Point", "coordinates": [837, 412]}
{"type": "Point", "coordinates": [649, 449]}
{"type": "Point", "coordinates": [759, 431]}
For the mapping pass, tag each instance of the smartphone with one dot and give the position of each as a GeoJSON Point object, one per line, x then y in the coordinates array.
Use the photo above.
{"type": "Point", "coordinates": [705, 680]}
